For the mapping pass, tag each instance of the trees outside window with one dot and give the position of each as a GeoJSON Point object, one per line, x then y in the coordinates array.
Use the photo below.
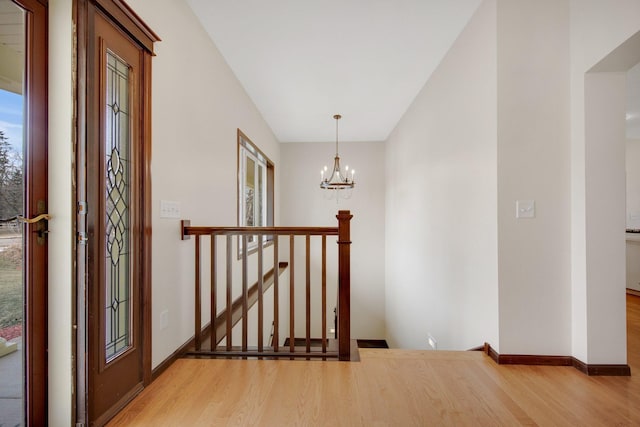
{"type": "Point", "coordinates": [10, 179]}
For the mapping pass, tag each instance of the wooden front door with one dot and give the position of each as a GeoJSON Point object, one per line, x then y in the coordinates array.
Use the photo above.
{"type": "Point", "coordinates": [114, 214]}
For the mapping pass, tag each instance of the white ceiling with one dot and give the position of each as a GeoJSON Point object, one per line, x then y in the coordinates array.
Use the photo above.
{"type": "Point", "coordinates": [11, 46]}
{"type": "Point", "coordinates": [303, 61]}
{"type": "Point", "coordinates": [11, 26]}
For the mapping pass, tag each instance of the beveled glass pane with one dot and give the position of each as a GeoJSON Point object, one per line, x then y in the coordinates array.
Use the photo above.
{"type": "Point", "coordinates": [118, 310]}
{"type": "Point", "coordinates": [123, 87]}
{"type": "Point", "coordinates": [259, 197]}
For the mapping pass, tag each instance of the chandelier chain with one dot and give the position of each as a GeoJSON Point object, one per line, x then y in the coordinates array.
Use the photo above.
{"type": "Point", "coordinates": [337, 117]}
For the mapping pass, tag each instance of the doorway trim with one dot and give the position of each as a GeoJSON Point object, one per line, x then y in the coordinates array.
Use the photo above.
{"type": "Point", "coordinates": [131, 25]}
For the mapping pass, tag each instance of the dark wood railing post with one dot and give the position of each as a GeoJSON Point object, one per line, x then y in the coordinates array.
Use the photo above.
{"type": "Point", "coordinates": [276, 296]}
{"type": "Point", "coordinates": [214, 293]}
{"type": "Point", "coordinates": [307, 308]}
{"type": "Point", "coordinates": [261, 296]}
{"type": "Point", "coordinates": [228, 310]}
{"type": "Point", "coordinates": [324, 294]}
{"type": "Point", "coordinates": [292, 300]}
{"type": "Point", "coordinates": [197, 306]}
{"type": "Point", "coordinates": [344, 285]}
{"type": "Point", "coordinates": [245, 295]}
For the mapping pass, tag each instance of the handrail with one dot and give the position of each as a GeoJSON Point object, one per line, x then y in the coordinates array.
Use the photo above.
{"type": "Point", "coordinates": [343, 330]}
{"type": "Point", "coordinates": [188, 230]}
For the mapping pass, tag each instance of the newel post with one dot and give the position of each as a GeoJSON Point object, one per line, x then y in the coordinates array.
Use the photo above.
{"type": "Point", "coordinates": [344, 285]}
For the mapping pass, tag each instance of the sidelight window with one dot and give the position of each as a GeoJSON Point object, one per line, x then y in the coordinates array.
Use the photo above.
{"type": "Point", "coordinates": [255, 188]}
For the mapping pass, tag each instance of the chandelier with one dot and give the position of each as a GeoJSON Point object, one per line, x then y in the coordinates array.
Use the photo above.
{"type": "Point", "coordinates": [338, 180]}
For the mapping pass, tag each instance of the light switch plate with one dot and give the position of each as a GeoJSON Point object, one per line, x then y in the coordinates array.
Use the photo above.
{"type": "Point", "coordinates": [525, 209]}
{"type": "Point", "coordinates": [169, 209]}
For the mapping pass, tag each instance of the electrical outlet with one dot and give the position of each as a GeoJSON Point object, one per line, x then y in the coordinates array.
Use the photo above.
{"type": "Point", "coordinates": [433, 344]}
{"type": "Point", "coordinates": [525, 209]}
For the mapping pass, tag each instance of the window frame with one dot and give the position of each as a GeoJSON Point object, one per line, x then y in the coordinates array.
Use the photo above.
{"type": "Point", "coordinates": [247, 149]}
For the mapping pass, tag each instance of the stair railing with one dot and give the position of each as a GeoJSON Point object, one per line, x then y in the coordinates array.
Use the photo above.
{"type": "Point", "coordinates": [221, 325]}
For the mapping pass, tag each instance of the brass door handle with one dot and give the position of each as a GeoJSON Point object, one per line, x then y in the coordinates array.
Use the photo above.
{"type": "Point", "coordinates": [35, 219]}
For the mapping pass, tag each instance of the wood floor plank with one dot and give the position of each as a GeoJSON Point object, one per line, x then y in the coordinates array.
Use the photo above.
{"type": "Point", "coordinates": [387, 388]}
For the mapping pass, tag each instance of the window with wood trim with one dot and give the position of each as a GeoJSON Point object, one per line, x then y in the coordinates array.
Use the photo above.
{"type": "Point", "coordinates": [255, 189]}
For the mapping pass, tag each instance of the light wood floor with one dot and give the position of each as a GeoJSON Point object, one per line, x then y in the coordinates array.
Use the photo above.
{"type": "Point", "coordinates": [389, 388]}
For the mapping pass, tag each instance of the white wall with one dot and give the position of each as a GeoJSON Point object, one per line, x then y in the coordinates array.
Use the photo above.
{"type": "Point", "coordinates": [533, 164]}
{"type": "Point", "coordinates": [197, 106]}
{"type": "Point", "coordinates": [441, 206]}
{"type": "Point", "coordinates": [605, 95]}
{"type": "Point", "coordinates": [541, 104]}
{"type": "Point", "coordinates": [303, 204]}
{"type": "Point", "coordinates": [597, 28]}
{"type": "Point", "coordinates": [61, 224]}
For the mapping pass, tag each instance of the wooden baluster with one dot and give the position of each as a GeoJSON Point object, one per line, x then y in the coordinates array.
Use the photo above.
{"type": "Point", "coordinates": [198, 316]}
{"type": "Point", "coordinates": [308, 295]}
{"type": "Point", "coordinates": [260, 302]}
{"type": "Point", "coordinates": [214, 301]}
{"type": "Point", "coordinates": [292, 304]}
{"type": "Point", "coordinates": [344, 285]}
{"type": "Point", "coordinates": [324, 293]}
{"type": "Point", "coordinates": [276, 269]}
{"type": "Point", "coordinates": [244, 293]}
{"type": "Point", "coordinates": [229, 293]}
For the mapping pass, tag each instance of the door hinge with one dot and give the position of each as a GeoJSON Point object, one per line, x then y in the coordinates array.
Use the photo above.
{"type": "Point", "coordinates": [82, 208]}
{"type": "Point", "coordinates": [82, 238]}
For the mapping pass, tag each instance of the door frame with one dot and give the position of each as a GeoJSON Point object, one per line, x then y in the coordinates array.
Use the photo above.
{"type": "Point", "coordinates": [123, 17]}
{"type": "Point", "coordinates": [35, 202]}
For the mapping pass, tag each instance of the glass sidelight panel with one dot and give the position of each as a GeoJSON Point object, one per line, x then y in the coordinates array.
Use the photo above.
{"type": "Point", "coordinates": [12, 285]}
{"type": "Point", "coordinates": [118, 309]}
